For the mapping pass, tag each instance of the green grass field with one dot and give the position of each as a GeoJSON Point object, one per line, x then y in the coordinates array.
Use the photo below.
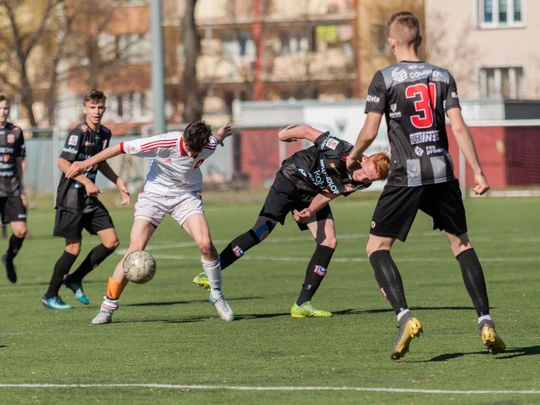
{"type": "Point", "coordinates": [166, 334]}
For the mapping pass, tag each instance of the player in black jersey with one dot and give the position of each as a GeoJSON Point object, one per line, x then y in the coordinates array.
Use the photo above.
{"type": "Point", "coordinates": [77, 205]}
{"type": "Point", "coordinates": [12, 198]}
{"type": "Point", "coordinates": [414, 97]}
{"type": "Point", "coordinates": [305, 184]}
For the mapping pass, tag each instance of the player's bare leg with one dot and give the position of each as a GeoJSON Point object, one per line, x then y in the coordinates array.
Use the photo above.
{"type": "Point", "coordinates": [197, 227]}
{"type": "Point", "coordinates": [141, 232]}
{"type": "Point", "coordinates": [473, 276]}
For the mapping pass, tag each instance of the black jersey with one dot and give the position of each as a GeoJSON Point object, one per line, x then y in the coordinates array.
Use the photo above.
{"type": "Point", "coordinates": [11, 147]}
{"type": "Point", "coordinates": [322, 167]}
{"type": "Point", "coordinates": [81, 144]}
{"type": "Point", "coordinates": [414, 97]}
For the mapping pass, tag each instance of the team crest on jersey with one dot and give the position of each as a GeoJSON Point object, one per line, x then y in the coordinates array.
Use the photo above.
{"type": "Point", "coordinates": [321, 271]}
{"type": "Point", "coordinates": [84, 127]}
{"type": "Point", "coordinates": [11, 138]}
{"type": "Point", "coordinates": [419, 151]}
{"type": "Point", "coordinates": [73, 139]}
{"type": "Point", "coordinates": [238, 252]}
{"type": "Point", "coordinates": [332, 143]}
{"type": "Point", "coordinates": [349, 187]}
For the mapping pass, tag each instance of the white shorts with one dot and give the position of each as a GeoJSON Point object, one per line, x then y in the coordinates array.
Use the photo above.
{"type": "Point", "coordinates": [153, 207]}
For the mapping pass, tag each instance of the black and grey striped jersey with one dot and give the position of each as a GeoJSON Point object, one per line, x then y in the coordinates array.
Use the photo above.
{"type": "Point", "coordinates": [414, 97]}
{"type": "Point", "coordinates": [11, 148]}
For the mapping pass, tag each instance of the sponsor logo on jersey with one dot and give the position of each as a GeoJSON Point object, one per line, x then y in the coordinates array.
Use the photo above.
{"type": "Point", "coordinates": [238, 252]}
{"type": "Point", "coordinates": [394, 114]}
{"type": "Point", "coordinates": [399, 75]}
{"type": "Point", "coordinates": [11, 138]}
{"type": "Point", "coordinates": [84, 127]}
{"type": "Point", "coordinates": [373, 224]}
{"type": "Point", "coordinates": [6, 149]}
{"type": "Point", "coordinates": [372, 99]}
{"type": "Point", "coordinates": [424, 137]}
{"type": "Point", "coordinates": [349, 187]}
{"type": "Point", "coordinates": [331, 143]}
{"type": "Point", "coordinates": [444, 105]}
{"type": "Point", "coordinates": [2, 132]}
{"type": "Point", "coordinates": [73, 139]}
{"type": "Point", "coordinates": [430, 150]}
{"type": "Point", "coordinates": [419, 151]}
{"type": "Point", "coordinates": [454, 95]}
{"type": "Point", "coordinates": [70, 150]}
{"type": "Point", "coordinates": [321, 271]}
{"type": "Point", "coordinates": [89, 143]}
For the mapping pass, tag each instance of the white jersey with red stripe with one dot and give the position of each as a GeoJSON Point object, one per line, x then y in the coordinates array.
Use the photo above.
{"type": "Point", "coordinates": [172, 172]}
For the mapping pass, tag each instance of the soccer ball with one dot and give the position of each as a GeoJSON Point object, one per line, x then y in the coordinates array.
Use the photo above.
{"type": "Point", "coordinates": [139, 267]}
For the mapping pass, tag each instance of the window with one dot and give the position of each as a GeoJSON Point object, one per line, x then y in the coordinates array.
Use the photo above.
{"type": "Point", "coordinates": [501, 82]}
{"type": "Point", "coordinates": [500, 13]}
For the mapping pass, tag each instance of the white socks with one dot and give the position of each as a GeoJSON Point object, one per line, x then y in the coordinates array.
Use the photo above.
{"type": "Point", "coordinates": [212, 268]}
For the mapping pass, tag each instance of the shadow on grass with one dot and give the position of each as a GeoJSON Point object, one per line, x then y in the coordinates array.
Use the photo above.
{"type": "Point", "coordinates": [166, 303]}
{"type": "Point", "coordinates": [508, 354]}
{"type": "Point", "coordinates": [351, 311]}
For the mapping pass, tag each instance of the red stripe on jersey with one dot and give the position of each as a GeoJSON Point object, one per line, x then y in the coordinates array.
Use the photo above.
{"type": "Point", "coordinates": [182, 150]}
{"type": "Point", "coordinates": [158, 144]}
{"type": "Point", "coordinates": [122, 147]}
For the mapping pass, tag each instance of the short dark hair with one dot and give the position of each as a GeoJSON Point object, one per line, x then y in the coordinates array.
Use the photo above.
{"type": "Point", "coordinates": [404, 28]}
{"type": "Point", "coordinates": [3, 97]}
{"type": "Point", "coordinates": [94, 95]}
{"type": "Point", "coordinates": [196, 135]}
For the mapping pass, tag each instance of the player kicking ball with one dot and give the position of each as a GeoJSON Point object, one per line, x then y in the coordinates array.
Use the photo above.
{"type": "Point", "coordinates": [305, 184]}
{"type": "Point", "coordinates": [173, 186]}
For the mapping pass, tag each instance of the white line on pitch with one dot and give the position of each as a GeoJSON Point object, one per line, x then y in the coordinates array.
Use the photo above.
{"type": "Point", "coordinates": [246, 388]}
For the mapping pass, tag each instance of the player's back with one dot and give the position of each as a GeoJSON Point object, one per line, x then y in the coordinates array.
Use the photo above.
{"type": "Point", "coordinates": [414, 97]}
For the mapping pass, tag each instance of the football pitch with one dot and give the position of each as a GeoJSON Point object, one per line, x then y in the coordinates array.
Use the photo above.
{"type": "Point", "coordinates": [167, 345]}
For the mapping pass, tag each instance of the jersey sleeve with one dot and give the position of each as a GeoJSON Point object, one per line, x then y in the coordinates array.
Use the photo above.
{"type": "Point", "coordinates": [211, 146]}
{"type": "Point", "coordinates": [21, 148]}
{"type": "Point", "coordinates": [331, 146]}
{"type": "Point", "coordinates": [150, 148]}
{"type": "Point", "coordinates": [376, 98]}
{"type": "Point", "coordinates": [72, 145]}
{"type": "Point", "coordinates": [452, 98]}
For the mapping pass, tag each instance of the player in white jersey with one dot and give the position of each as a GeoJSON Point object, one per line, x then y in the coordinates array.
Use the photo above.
{"type": "Point", "coordinates": [173, 186]}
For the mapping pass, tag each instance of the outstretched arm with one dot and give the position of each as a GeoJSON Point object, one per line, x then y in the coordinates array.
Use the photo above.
{"type": "Point", "coordinates": [367, 135]}
{"type": "Point", "coordinates": [320, 201]}
{"type": "Point", "coordinates": [224, 132]}
{"type": "Point", "coordinates": [78, 168]}
{"type": "Point", "coordinates": [113, 177]}
{"type": "Point", "coordinates": [466, 145]}
{"type": "Point", "coordinates": [293, 133]}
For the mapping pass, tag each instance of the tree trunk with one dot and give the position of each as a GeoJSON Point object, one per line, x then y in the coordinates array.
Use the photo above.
{"type": "Point", "coordinates": [191, 96]}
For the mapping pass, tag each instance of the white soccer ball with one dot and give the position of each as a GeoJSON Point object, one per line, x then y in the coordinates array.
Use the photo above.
{"type": "Point", "coordinates": [139, 267]}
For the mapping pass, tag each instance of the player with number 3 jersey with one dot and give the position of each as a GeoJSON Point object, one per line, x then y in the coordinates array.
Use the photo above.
{"type": "Point", "coordinates": [414, 97]}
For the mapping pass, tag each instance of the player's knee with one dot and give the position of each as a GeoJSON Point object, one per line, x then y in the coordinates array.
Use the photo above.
{"type": "Point", "coordinates": [112, 245]}
{"type": "Point", "coordinates": [330, 242]}
{"type": "Point", "coordinates": [206, 246]}
{"type": "Point", "coordinates": [261, 232]}
{"type": "Point", "coordinates": [73, 249]}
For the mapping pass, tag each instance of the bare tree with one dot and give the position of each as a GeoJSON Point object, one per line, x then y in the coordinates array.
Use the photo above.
{"type": "Point", "coordinates": [192, 97]}
{"type": "Point", "coordinates": [20, 40]}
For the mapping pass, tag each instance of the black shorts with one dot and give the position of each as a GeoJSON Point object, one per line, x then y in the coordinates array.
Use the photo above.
{"type": "Point", "coordinates": [284, 198]}
{"type": "Point", "coordinates": [70, 225]}
{"type": "Point", "coordinates": [397, 208]}
{"type": "Point", "coordinates": [12, 209]}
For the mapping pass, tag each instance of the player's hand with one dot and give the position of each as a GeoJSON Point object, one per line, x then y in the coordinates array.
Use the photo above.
{"type": "Point", "coordinates": [126, 198]}
{"type": "Point", "coordinates": [302, 216]}
{"type": "Point", "coordinates": [481, 184]}
{"type": "Point", "coordinates": [24, 200]}
{"type": "Point", "coordinates": [352, 164]}
{"type": "Point", "coordinates": [224, 132]}
{"type": "Point", "coordinates": [76, 169]}
{"type": "Point", "coordinates": [92, 190]}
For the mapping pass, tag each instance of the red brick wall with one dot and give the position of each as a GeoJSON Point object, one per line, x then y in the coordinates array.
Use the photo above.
{"type": "Point", "coordinates": [260, 154]}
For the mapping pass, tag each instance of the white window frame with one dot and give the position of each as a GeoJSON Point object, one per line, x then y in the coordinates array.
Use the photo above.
{"type": "Point", "coordinates": [518, 90]}
{"type": "Point", "coordinates": [509, 11]}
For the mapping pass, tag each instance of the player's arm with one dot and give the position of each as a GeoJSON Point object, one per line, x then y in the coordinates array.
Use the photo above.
{"type": "Point", "coordinates": [292, 133]}
{"type": "Point", "coordinates": [78, 168]}
{"type": "Point", "coordinates": [466, 145]}
{"type": "Point", "coordinates": [91, 188]}
{"type": "Point", "coordinates": [367, 135]}
{"type": "Point", "coordinates": [224, 132]}
{"type": "Point", "coordinates": [319, 202]}
{"type": "Point", "coordinates": [108, 172]}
